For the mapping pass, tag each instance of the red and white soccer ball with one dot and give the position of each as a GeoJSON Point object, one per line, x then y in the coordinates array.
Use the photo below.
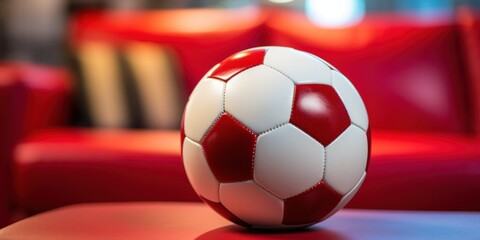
{"type": "Point", "coordinates": [273, 137]}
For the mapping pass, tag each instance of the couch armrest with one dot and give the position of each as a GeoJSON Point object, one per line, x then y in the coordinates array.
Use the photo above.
{"type": "Point", "coordinates": [31, 97]}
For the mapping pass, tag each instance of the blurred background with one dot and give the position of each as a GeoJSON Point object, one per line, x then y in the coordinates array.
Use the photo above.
{"type": "Point", "coordinates": [52, 33]}
{"type": "Point", "coordinates": [36, 30]}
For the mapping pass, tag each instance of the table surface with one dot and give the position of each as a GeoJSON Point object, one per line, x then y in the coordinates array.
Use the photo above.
{"type": "Point", "coordinates": [197, 221]}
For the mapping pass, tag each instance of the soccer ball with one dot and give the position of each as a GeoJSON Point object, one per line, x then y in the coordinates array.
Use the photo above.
{"type": "Point", "coordinates": [273, 137]}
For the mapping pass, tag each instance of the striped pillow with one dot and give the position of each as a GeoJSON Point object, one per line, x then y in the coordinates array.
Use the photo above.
{"type": "Point", "coordinates": [135, 85]}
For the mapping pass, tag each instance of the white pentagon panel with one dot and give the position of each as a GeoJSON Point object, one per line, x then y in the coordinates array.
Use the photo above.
{"type": "Point", "coordinates": [299, 67]}
{"type": "Point", "coordinates": [259, 97]}
{"type": "Point", "coordinates": [268, 47]}
{"type": "Point", "coordinates": [347, 197]}
{"type": "Point", "coordinates": [288, 161]}
{"type": "Point", "coordinates": [198, 171]}
{"type": "Point", "coordinates": [319, 58]}
{"type": "Point", "coordinates": [346, 159]}
{"type": "Point", "coordinates": [251, 203]}
{"type": "Point", "coordinates": [352, 100]}
{"type": "Point", "coordinates": [204, 106]}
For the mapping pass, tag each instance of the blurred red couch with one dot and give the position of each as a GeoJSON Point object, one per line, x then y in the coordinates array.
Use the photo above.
{"type": "Point", "coordinates": [418, 79]}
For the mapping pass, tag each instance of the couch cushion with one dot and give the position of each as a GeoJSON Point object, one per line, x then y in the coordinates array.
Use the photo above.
{"type": "Point", "coordinates": [421, 172]}
{"type": "Point", "coordinates": [59, 167]}
{"type": "Point", "coordinates": [469, 21]}
{"type": "Point", "coordinates": [134, 85]}
{"type": "Point", "coordinates": [135, 69]}
{"type": "Point", "coordinates": [65, 166]}
{"type": "Point", "coordinates": [408, 70]}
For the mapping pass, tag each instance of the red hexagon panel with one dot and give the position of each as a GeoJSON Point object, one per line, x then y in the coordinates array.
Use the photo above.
{"type": "Point", "coordinates": [229, 148]}
{"type": "Point", "coordinates": [319, 111]}
{"type": "Point", "coordinates": [237, 63]}
{"type": "Point", "coordinates": [310, 206]}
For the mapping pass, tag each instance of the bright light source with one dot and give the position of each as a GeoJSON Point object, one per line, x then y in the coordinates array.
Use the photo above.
{"type": "Point", "coordinates": [281, 1]}
{"type": "Point", "coordinates": [335, 13]}
{"type": "Point", "coordinates": [426, 9]}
